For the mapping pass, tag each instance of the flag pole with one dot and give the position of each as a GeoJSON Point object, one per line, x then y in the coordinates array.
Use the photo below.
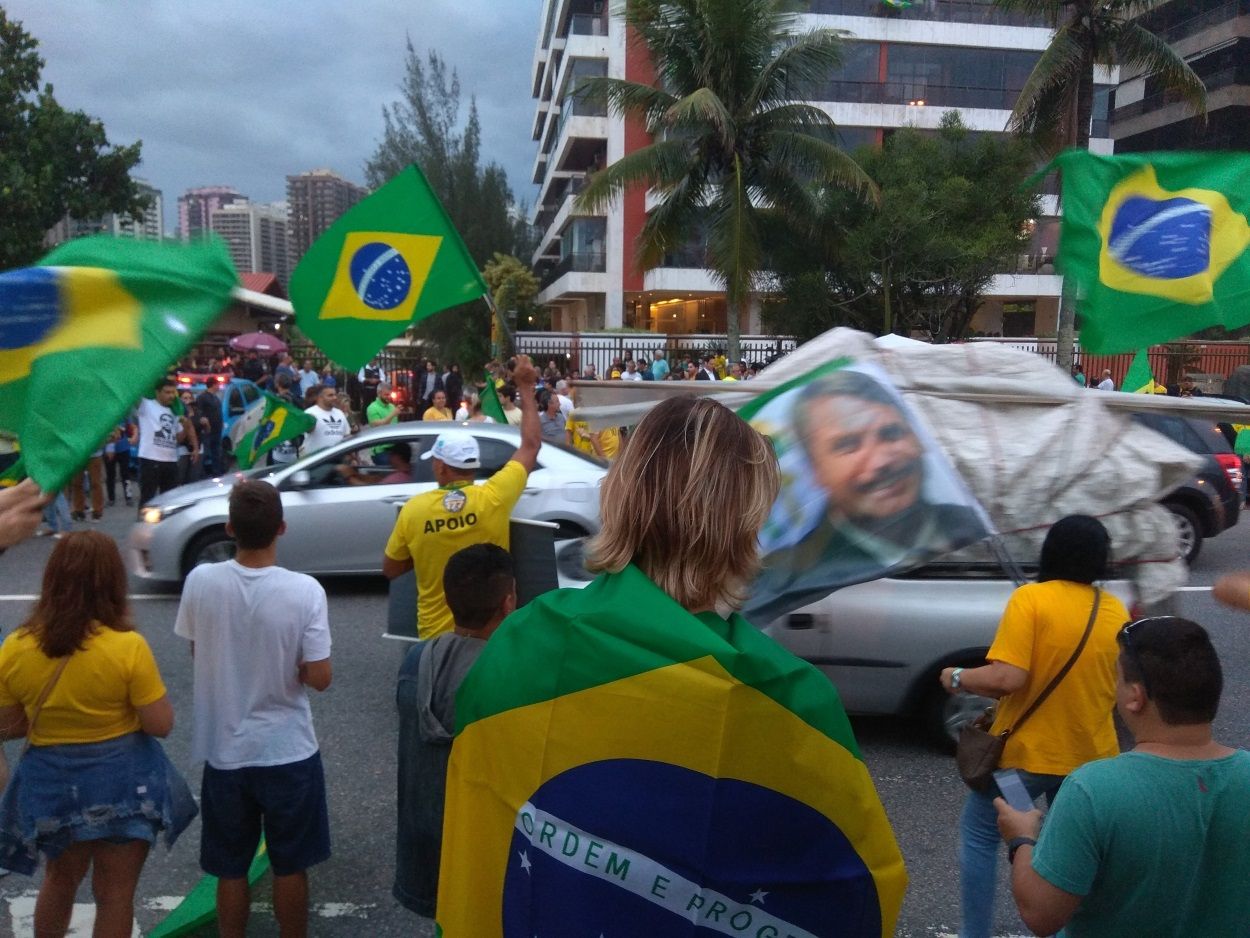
{"type": "Point", "coordinates": [263, 300]}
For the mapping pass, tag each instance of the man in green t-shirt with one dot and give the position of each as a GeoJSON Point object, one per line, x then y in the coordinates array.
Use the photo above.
{"type": "Point", "coordinates": [378, 414]}
{"type": "Point", "coordinates": [1155, 841]}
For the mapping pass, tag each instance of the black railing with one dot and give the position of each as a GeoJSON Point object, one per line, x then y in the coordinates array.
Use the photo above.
{"type": "Point", "coordinates": [916, 93]}
{"type": "Point", "coordinates": [586, 263]}
{"type": "Point", "coordinates": [576, 351]}
{"type": "Point", "coordinates": [1171, 29]}
{"type": "Point", "coordinates": [951, 11]}
{"type": "Point", "coordinates": [1221, 79]}
{"type": "Point", "coordinates": [584, 24]}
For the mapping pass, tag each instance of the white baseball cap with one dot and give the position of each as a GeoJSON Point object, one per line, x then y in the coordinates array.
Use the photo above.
{"type": "Point", "coordinates": [457, 449]}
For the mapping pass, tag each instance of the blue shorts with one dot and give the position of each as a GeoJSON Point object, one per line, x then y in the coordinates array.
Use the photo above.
{"type": "Point", "coordinates": [287, 801]}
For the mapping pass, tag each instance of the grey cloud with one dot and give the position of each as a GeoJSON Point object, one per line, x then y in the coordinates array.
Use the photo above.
{"type": "Point", "coordinates": [243, 93]}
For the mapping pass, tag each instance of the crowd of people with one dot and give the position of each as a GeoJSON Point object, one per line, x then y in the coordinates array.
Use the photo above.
{"type": "Point", "coordinates": [1149, 842]}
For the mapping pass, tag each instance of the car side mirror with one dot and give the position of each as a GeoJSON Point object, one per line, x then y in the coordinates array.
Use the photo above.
{"type": "Point", "coordinates": [300, 479]}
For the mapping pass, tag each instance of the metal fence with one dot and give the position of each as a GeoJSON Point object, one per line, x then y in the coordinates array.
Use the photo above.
{"type": "Point", "coordinates": [1213, 362]}
{"type": "Point", "coordinates": [574, 351]}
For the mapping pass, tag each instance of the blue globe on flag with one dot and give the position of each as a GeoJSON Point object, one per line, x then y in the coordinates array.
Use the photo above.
{"type": "Point", "coordinates": [1164, 239]}
{"type": "Point", "coordinates": [380, 275]}
{"type": "Point", "coordinates": [34, 307]}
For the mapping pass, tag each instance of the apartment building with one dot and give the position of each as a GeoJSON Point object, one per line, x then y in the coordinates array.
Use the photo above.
{"type": "Point", "coordinates": [196, 207]}
{"type": "Point", "coordinates": [903, 67]}
{"type": "Point", "coordinates": [256, 235]}
{"type": "Point", "coordinates": [1214, 38]}
{"type": "Point", "coordinates": [314, 201]}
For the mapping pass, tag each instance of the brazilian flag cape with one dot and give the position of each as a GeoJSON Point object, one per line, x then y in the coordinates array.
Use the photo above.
{"type": "Point", "coordinates": [622, 766]}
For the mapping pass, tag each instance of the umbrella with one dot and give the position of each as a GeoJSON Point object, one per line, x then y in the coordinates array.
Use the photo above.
{"type": "Point", "coordinates": [257, 342]}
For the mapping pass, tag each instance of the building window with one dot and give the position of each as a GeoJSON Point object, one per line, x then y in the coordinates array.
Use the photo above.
{"type": "Point", "coordinates": [677, 315]}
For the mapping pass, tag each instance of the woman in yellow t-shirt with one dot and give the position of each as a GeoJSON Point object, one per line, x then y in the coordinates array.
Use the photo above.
{"type": "Point", "coordinates": [439, 409]}
{"type": "Point", "coordinates": [94, 788]}
{"type": "Point", "coordinates": [1040, 629]}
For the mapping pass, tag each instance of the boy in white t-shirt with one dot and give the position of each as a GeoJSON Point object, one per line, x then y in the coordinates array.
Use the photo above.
{"type": "Point", "coordinates": [260, 634]}
{"type": "Point", "coordinates": [332, 425]}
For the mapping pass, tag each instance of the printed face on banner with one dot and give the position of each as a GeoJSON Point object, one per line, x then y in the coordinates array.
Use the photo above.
{"type": "Point", "coordinates": [866, 490]}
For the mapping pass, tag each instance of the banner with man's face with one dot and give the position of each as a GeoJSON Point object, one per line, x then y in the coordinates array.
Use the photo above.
{"type": "Point", "coordinates": [866, 491]}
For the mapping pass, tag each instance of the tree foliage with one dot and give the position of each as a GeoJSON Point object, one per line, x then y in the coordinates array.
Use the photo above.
{"type": "Point", "coordinates": [424, 127]}
{"type": "Point", "coordinates": [1056, 105]}
{"type": "Point", "coordinates": [953, 214]}
{"type": "Point", "coordinates": [53, 161]}
{"type": "Point", "coordinates": [734, 144]}
{"type": "Point", "coordinates": [513, 287]}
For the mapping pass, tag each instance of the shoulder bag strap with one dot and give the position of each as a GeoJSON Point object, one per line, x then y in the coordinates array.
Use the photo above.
{"type": "Point", "coordinates": [43, 699]}
{"type": "Point", "coordinates": [1063, 672]}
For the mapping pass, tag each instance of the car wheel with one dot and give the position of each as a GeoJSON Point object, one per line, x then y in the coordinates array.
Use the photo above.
{"type": "Point", "coordinates": [1188, 531]}
{"type": "Point", "coordinates": [212, 546]}
{"type": "Point", "coordinates": [945, 714]}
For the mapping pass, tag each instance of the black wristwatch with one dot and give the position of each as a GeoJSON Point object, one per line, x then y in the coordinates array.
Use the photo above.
{"type": "Point", "coordinates": [1015, 844]}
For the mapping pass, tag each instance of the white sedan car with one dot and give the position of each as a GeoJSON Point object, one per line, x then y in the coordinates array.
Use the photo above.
{"type": "Point", "coordinates": [336, 528]}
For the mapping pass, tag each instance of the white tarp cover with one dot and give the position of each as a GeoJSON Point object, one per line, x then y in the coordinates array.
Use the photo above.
{"type": "Point", "coordinates": [1032, 463]}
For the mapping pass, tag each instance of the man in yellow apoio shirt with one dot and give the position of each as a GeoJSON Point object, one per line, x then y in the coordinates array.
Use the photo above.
{"type": "Point", "coordinates": [434, 525]}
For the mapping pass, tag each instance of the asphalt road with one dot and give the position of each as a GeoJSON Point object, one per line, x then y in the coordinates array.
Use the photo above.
{"type": "Point", "coordinates": [356, 725]}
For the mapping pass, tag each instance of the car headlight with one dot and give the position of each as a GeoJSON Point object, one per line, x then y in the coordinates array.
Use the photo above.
{"type": "Point", "coordinates": [156, 515]}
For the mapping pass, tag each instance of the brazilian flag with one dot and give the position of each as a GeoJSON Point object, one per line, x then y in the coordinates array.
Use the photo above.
{"type": "Point", "coordinates": [1156, 244]}
{"type": "Point", "coordinates": [391, 260]}
{"type": "Point", "coordinates": [490, 401]}
{"type": "Point", "coordinates": [1140, 379]}
{"type": "Point", "coordinates": [622, 766]}
{"type": "Point", "coordinates": [89, 331]}
{"type": "Point", "coordinates": [268, 422]}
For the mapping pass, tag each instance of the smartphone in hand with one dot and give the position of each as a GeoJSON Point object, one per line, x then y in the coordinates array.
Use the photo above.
{"type": "Point", "coordinates": [1011, 785]}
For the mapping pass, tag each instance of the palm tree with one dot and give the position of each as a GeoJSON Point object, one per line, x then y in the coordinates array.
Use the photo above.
{"type": "Point", "coordinates": [1056, 105]}
{"type": "Point", "coordinates": [733, 144]}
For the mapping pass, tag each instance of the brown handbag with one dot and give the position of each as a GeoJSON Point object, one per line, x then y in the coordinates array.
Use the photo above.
{"type": "Point", "coordinates": [979, 752]}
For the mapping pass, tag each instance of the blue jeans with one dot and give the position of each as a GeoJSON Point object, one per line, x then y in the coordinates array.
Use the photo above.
{"type": "Point", "coordinates": [979, 846]}
{"type": "Point", "coordinates": [56, 514]}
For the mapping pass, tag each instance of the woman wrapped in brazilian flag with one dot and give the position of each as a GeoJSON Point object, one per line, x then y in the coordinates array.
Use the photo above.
{"type": "Point", "coordinates": [635, 758]}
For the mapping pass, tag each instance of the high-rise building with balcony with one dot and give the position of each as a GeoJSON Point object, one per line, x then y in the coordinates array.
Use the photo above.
{"type": "Point", "coordinates": [1214, 38]}
{"type": "Point", "coordinates": [314, 201]}
{"type": "Point", "coordinates": [256, 236]}
{"type": "Point", "coordinates": [196, 207]}
{"type": "Point", "coordinates": [902, 67]}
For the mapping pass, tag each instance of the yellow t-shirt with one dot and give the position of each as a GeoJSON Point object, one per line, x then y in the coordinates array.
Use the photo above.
{"type": "Point", "coordinates": [609, 440]}
{"type": "Point", "coordinates": [434, 525]}
{"type": "Point", "coordinates": [433, 413]}
{"type": "Point", "coordinates": [97, 696]}
{"type": "Point", "coordinates": [1040, 629]}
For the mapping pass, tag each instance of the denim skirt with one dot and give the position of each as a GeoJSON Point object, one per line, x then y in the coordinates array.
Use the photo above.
{"type": "Point", "coordinates": [117, 790]}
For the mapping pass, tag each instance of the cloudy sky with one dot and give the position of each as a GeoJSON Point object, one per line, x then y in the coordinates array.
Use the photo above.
{"type": "Point", "coordinates": [241, 93]}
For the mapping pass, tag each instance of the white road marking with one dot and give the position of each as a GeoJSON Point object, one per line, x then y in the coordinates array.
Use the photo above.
{"type": "Point", "coordinates": [31, 597]}
{"type": "Point", "coordinates": [82, 921]}
{"type": "Point", "coordinates": [22, 918]}
{"type": "Point", "coordinates": [1194, 589]}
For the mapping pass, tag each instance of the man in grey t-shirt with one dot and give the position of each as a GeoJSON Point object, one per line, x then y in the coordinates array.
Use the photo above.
{"type": "Point", "coordinates": [480, 587]}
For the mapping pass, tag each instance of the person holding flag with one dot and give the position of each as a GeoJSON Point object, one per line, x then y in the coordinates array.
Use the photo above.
{"type": "Point", "coordinates": [633, 757]}
{"type": "Point", "coordinates": [434, 525]}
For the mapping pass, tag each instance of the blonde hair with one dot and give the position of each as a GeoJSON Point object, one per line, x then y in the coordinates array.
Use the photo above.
{"type": "Point", "coordinates": [685, 502]}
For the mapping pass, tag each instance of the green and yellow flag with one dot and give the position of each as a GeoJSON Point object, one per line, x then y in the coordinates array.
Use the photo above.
{"type": "Point", "coordinates": [1140, 379]}
{"type": "Point", "coordinates": [88, 332]}
{"type": "Point", "coordinates": [490, 401]}
{"type": "Point", "coordinates": [622, 763]}
{"type": "Point", "coordinates": [391, 260]}
{"type": "Point", "coordinates": [1156, 244]}
{"type": "Point", "coordinates": [267, 423]}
